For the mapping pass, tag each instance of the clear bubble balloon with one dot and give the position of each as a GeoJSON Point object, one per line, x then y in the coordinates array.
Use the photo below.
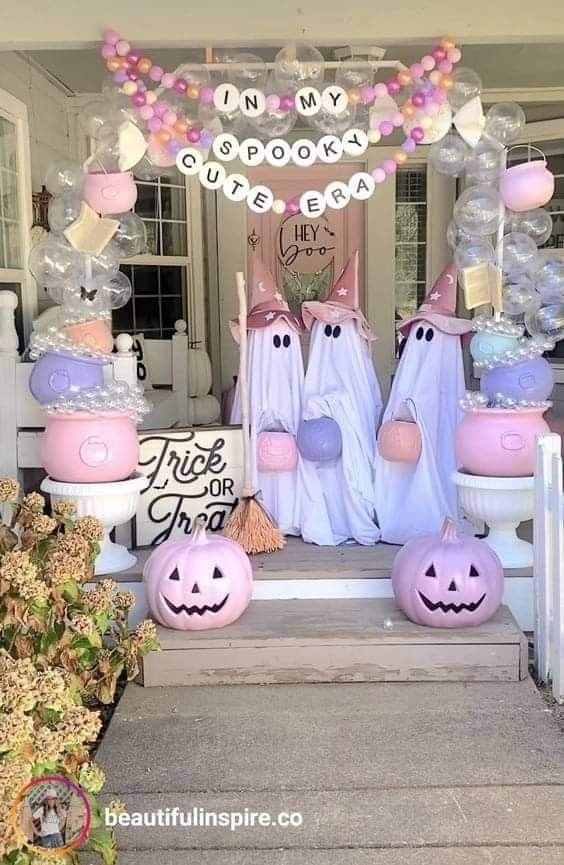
{"type": "Point", "coordinates": [63, 210]}
{"type": "Point", "coordinates": [517, 252]}
{"type": "Point", "coordinates": [217, 122]}
{"type": "Point", "coordinates": [547, 320]}
{"type": "Point", "coordinates": [299, 64]}
{"type": "Point", "coordinates": [381, 109]}
{"type": "Point", "coordinates": [466, 85]}
{"type": "Point", "coordinates": [333, 124]}
{"type": "Point", "coordinates": [115, 290]}
{"type": "Point", "coordinates": [194, 73]}
{"type": "Point", "coordinates": [274, 122]}
{"type": "Point", "coordinates": [519, 295]}
{"type": "Point", "coordinates": [537, 224]}
{"type": "Point", "coordinates": [96, 118]}
{"type": "Point", "coordinates": [448, 155]}
{"type": "Point", "coordinates": [63, 176]}
{"type": "Point", "coordinates": [485, 162]}
{"type": "Point", "coordinates": [354, 73]}
{"type": "Point", "coordinates": [505, 121]}
{"type": "Point", "coordinates": [441, 123]}
{"type": "Point", "coordinates": [479, 210]}
{"type": "Point", "coordinates": [550, 278]}
{"type": "Point", "coordinates": [107, 263]}
{"type": "Point", "coordinates": [84, 301]}
{"type": "Point", "coordinates": [106, 156]}
{"type": "Point", "coordinates": [147, 170]}
{"type": "Point", "coordinates": [455, 235]}
{"type": "Point", "coordinates": [248, 70]}
{"type": "Point", "coordinates": [131, 236]}
{"type": "Point", "coordinates": [54, 262]}
{"type": "Point", "coordinates": [477, 250]}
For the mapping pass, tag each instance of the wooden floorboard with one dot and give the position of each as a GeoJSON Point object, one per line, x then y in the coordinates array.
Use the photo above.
{"type": "Point", "coordinates": [335, 641]}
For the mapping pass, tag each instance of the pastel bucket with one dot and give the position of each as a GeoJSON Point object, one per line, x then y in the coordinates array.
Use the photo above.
{"type": "Point", "coordinates": [56, 374]}
{"type": "Point", "coordinates": [110, 193]}
{"type": "Point", "coordinates": [94, 333]}
{"type": "Point", "coordinates": [528, 185]}
{"type": "Point", "coordinates": [399, 441]}
{"type": "Point", "coordinates": [498, 442]}
{"type": "Point", "coordinates": [89, 448]}
{"type": "Point", "coordinates": [276, 452]}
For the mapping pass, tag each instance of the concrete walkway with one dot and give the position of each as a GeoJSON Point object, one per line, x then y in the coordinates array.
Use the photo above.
{"type": "Point", "coordinates": [383, 774]}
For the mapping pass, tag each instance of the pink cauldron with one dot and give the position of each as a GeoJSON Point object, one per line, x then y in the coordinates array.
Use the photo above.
{"type": "Point", "coordinates": [276, 452]}
{"type": "Point", "coordinates": [94, 333]}
{"type": "Point", "coordinates": [499, 442]}
{"type": "Point", "coordinates": [110, 193]}
{"type": "Point", "coordinates": [527, 185]}
{"type": "Point", "coordinates": [89, 448]}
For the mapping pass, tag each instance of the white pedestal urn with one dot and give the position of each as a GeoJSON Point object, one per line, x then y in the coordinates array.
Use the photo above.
{"type": "Point", "coordinates": [502, 503]}
{"type": "Point", "coordinates": [113, 504]}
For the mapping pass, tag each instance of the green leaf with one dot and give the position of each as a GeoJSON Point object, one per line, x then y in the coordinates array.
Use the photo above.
{"type": "Point", "coordinates": [103, 843]}
{"type": "Point", "coordinates": [70, 590]}
{"type": "Point", "coordinates": [102, 621]}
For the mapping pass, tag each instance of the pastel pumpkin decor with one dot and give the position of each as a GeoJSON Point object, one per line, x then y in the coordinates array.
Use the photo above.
{"type": "Point", "coordinates": [399, 441]}
{"type": "Point", "coordinates": [276, 452]}
{"type": "Point", "coordinates": [447, 580]}
{"type": "Point", "coordinates": [320, 440]}
{"type": "Point", "coordinates": [198, 583]}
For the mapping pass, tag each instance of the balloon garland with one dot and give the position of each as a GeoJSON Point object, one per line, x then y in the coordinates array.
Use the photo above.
{"type": "Point", "coordinates": [173, 139]}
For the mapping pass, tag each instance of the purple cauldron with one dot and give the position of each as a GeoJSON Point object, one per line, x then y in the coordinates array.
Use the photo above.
{"type": "Point", "coordinates": [58, 374]}
{"type": "Point", "coordinates": [530, 379]}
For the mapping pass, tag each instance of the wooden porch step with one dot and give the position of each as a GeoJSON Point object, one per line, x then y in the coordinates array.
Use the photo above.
{"type": "Point", "coordinates": [280, 642]}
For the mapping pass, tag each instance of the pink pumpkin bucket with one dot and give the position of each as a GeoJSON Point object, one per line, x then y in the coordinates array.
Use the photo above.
{"type": "Point", "coordinates": [276, 452]}
{"type": "Point", "coordinates": [499, 442]}
{"type": "Point", "coordinates": [110, 193]}
{"type": "Point", "coordinates": [528, 185]}
{"type": "Point", "coordinates": [94, 334]}
{"type": "Point", "coordinates": [89, 448]}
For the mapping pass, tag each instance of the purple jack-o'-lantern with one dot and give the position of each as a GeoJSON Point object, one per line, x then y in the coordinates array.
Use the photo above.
{"type": "Point", "coordinates": [447, 580]}
{"type": "Point", "coordinates": [199, 582]}
{"type": "Point", "coordinates": [320, 439]}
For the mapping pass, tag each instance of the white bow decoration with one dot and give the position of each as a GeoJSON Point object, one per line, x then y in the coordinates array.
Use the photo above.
{"type": "Point", "coordinates": [469, 121]}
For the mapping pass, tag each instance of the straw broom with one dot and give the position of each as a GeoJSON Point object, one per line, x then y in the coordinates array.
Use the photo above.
{"type": "Point", "coordinates": [249, 524]}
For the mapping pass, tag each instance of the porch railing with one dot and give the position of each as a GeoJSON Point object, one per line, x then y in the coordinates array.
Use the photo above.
{"type": "Point", "coordinates": [549, 565]}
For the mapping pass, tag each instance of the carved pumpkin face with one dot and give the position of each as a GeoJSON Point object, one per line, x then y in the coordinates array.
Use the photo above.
{"type": "Point", "coordinates": [447, 581]}
{"type": "Point", "coordinates": [276, 452]}
{"type": "Point", "coordinates": [198, 583]}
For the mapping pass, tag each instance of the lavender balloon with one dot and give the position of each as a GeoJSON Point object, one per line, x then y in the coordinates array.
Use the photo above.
{"type": "Point", "coordinates": [529, 380]}
{"type": "Point", "coordinates": [320, 440]}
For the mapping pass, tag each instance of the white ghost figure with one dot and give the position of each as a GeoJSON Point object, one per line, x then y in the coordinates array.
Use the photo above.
{"type": "Point", "coordinates": [276, 378]}
{"type": "Point", "coordinates": [341, 384]}
{"type": "Point", "coordinates": [414, 498]}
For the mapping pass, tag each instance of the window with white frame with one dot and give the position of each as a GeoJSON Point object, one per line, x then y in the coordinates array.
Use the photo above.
{"type": "Point", "coordinates": [411, 239]}
{"type": "Point", "coordinates": [159, 277]}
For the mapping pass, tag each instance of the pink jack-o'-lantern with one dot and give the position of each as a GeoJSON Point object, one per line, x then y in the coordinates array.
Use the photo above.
{"type": "Point", "coordinates": [199, 582]}
{"type": "Point", "coordinates": [447, 580]}
{"type": "Point", "coordinates": [276, 452]}
{"type": "Point", "coordinates": [399, 441]}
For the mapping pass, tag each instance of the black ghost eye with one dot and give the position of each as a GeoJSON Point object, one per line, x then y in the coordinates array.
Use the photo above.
{"type": "Point", "coordinates": [337, 332]}
{"type": "Point", "coordinates": [217, 575]}
{"type": "Point", "coordinates": [286, 341]}
{"type": "Point", "coordinates": [419, 333]}
{"type": "Point", "coordinates": [328, 330]}
{"type": "Point", "coordinates": [175, 575]}
{"type": "Point", "coordinates": [277, 341]}
{"type": "Point", "coordinates": [473, 571]}
{"type": "Point", "coordinates": [430, 572]}
{"type": "Point", "coordinates": [430, 334]}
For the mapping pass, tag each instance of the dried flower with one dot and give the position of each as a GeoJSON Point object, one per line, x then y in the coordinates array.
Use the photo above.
{"type": "Point", "coordinates": [17, 684]}
{"type": "Point", "coordinates": [52, 690]}
{"type": "Point", "coordinates": [34, 502]}
{"type": "Point", "coordinates": [41, 525]}
{"type": "Point", "coordinates": [64, 508]}
{"type": "Point", "coordinates": [90, 529]}
{"type": "Point", "coordinates": [116, 806]}
{"type": "Point", "coordinates": [145, 634]}
{"type": "Point", "coordinates": [78, 726]}
{"type": "Point", "coordinates": [91, 777]}
{"type": "Point", "coordinates": [67, 560]}
{"type": "Point", "coordinates": [16, 730]}
{"type": "Point", "coordinates": [21, 575]}
{"type": "Point", "coordinates": [9, 490]}
{"type": "Point", "coordinates": [124, 600]}
{"type": "Point", "coordinates": [82, 624]}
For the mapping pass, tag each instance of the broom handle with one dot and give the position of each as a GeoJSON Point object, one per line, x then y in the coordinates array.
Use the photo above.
{"type": "Point", "coordinates": [244, 386]}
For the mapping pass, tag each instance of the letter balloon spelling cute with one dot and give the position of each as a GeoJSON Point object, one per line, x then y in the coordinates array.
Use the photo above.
{"type": "Point", "coordinates": [342, 390]}
{"type": "Point", "coordinates": [412, 496]}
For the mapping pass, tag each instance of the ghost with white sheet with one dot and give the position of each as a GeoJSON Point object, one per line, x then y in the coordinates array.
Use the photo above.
{"type": "Point", "coordinates": [414, 497]}
{"type": "Point", "coordinates": [289, 490]}
{"type": "Point", "coordinates": [341, 386]}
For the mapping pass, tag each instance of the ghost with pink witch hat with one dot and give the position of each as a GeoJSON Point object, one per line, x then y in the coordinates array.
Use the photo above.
{"type": "Point", "coordinates": [289, 488]}
{"type": "Point", "coordinates": [341, 384]}
{"type": "Point", "coordinates": [413, 498]}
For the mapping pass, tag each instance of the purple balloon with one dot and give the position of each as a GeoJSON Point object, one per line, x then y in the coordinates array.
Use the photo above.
{"type": "Point", "coordinates": [56, 375]}
{"type": "Point", "coordinates": [530, 379]}
{"type": "Point", "coordinates": [320, 440]}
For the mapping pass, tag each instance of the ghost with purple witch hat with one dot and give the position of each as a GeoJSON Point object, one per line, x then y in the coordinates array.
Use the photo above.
{"type": "Point", "coordinates": [341, 387]}
{"type": "Point", "coordinates": [288, 486]}
{"type": "Point", "coordinates": [413, 498]}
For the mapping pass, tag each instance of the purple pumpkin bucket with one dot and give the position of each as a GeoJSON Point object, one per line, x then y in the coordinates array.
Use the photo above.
{"type": "Point", "coordinates": [57, 374]}
{"type": "Point", "coordinates": [320, 439]}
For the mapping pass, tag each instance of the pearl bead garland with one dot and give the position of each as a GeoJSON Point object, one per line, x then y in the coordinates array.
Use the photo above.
{"type": "Point", "coordinates": [54, 340]}
{"type": "Point", "coordinates": [117, 396]}
{"type": "Point", "coordinates": [528, 349]}
{"type": "Point", "coordinates": [474, 400]}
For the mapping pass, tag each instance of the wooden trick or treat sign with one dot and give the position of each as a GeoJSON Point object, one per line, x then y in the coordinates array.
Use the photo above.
{"type": "Point", "coordinates": [192, 473]}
